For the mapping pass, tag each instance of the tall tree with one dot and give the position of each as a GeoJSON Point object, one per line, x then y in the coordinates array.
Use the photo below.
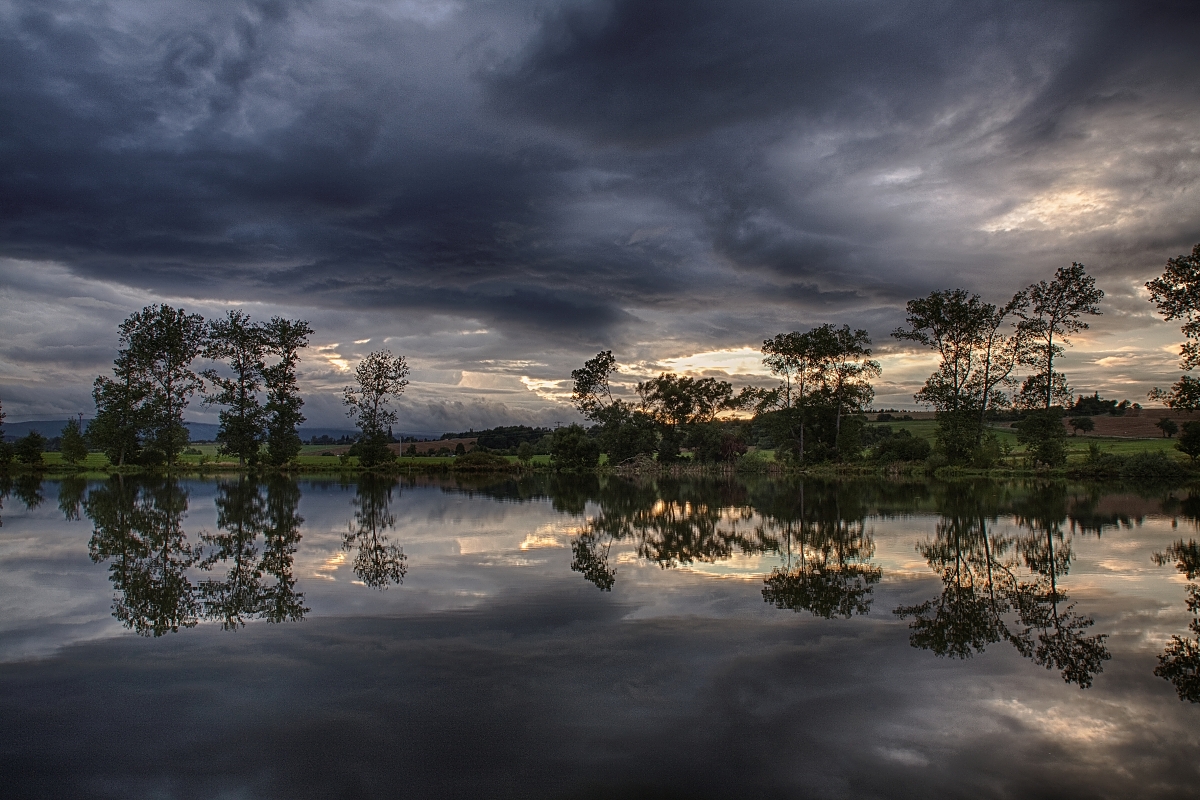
{"type": "Point", "coordinates": [73, 447]}
{"type": "Point", "coordinates": [845, 370]}
{"type": "Point", "coordinates": [242, 345]}
{"type": "Point", "coordinates": [380, 377]}
{"type": "Point", "coordinates": [163, 342]}
{"type": "Point", "coordinates": [793, 357]}
{"type": "Point", "coordinates": [678, 402]}
{"type": "Point", "coordinates": [5, 448]}
{"type": "Point", "coordinates": [117, 430]}
{"type": "Point", "coordinates": [285, 339]}
{"type": "Point", "coordinates": [625, 431]}
{"type": "Point", "coordinates": [1177, 294]}
{"type": "Point", "coordinates": [1051, 316]}
{"type": "Point", "coordinates": [591, 392]}
{"type": "Point", "coordinates": [978, 357]}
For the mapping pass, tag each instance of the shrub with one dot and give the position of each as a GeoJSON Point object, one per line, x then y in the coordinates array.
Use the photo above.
{"type": "Point", "coordinates": [572, 449]}
{"type": "Point", "coordinates": [902, 446]}
{"type": "Point", "coordinates": [1189, 441]}
{"type": "Point", "coordinates": [29, 449]}
{"type": "Point", "coordinates": [1152, 466]}
{"type": "Point", "coordinates": [1044, 436]}
{"type": "Point", "coordinates": [480, 460]}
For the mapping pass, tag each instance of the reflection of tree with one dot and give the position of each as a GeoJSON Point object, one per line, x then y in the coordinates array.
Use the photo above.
{"type": "Point", "coordinates": [378, 563]}
{"type": "Point", "coordinates": [138, 527]}
{"type": "Point", "coordinates": [828, 553]}
{"type": "Point", "coordinates": [240, 518]}
{"type": "Point", "coordinates": [70, 497]}
{"type": "Point", "coordinates": [984, 600]}
{"type": "Point", "coordinates": [670, 522]}
{"type": "Point", "coordinates": [280, 602]}
{"type": "Point", "coordinates": [1180, 661]}
{"type": "Point", "coordinates": [1042, 605]}
{"type": "Point", "coordinates": [28, 489]}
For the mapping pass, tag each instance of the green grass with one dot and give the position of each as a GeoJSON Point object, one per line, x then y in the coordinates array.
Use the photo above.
{"type": "Point", "coordinates": [1077, 446]}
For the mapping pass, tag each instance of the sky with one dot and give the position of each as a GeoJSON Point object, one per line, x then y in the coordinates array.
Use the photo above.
{"type": "Point", "coordinates": [499, 190]}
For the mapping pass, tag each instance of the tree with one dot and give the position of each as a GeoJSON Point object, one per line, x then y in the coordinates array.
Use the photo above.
{"type": "Point", "coordinates": [121, 408]}
{"type": "Point", "coordinates": [524, 452]}
{"type": "Point", "coordinates": [380, 377]}
{"type": "Point", "coordinates": [74, 448]}
{"type": "Point", "coordinates": [6, 453]}
{"type": "Point", "coordinates": [677, 402]}
{"type": "Point", "coordinates": [1189, 441]}
{"type": "Point", "coordinates": [591, 392]}
{"type": "Point", "coordinates": [977, 358]}
{"type": "Point", "coordinates": [1044, 436]}
{"type": "Point", "coordinates": [1051, 315]}
{"type": "Point", "coordinates": [285, 339]}
{"type": "Point", "coordinates": [242, 345]}
{"type": "Point", "coordinates": [1084, 424]}
{"type": "Point", "coordinates": [846, 370]}
{"type": "Point", "coordinates": [29, 449]}
{"type": "Point", "coordinates": [1177, 294]}
{"type": "Point", "coordinates": [572, 449]}
{"type": "Point", "coordinates": [163, 341]}
{"type": "Point", "coordinates": [1167, 426]}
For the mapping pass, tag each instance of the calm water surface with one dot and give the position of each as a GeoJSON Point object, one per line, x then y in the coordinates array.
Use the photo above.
{"type": "Point", "coordinates": [556, 637]}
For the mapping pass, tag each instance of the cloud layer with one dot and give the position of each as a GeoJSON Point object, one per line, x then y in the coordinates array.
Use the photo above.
{"type": "Point", "coordinates": [504, 189]}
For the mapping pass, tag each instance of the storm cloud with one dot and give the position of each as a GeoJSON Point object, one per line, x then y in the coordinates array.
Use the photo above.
{"type": "Point", "coordinates": [505, 188]}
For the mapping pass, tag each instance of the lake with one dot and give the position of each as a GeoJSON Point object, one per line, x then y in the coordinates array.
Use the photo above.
{"type": "Point", "coordinates": [555, 636]}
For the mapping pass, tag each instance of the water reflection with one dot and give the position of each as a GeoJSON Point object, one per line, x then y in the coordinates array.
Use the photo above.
{"type": "Point", "coordinates": [1002, 552]}
{"type": "Point", "coordinates": [138, 531]}
{"type": "Point", "coordinates": [670, 523]}
{"type": "Point", "coordinates": [999, 587]}
{"type": "Point", "coordinates": [1180, 661]}
{"type": "Point", "coordinates": [378, 563]}
{"type": "Point", "coordinates": [827, 547]}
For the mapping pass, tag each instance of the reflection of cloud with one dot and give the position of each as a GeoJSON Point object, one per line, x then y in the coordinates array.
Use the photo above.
{"type": "Point", "coordinates": [330, 565]}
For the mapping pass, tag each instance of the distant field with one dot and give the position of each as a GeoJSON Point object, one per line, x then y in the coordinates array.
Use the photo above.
{"type": "Point", "coordinates": [1077, 446]}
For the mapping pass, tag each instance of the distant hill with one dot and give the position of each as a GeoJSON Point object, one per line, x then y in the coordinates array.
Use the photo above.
{"type": "Point", "coordinates": [200, 431]}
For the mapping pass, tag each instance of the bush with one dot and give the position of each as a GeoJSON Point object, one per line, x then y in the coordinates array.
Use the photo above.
{"type": "Point", "coordinates": [572, 449]}
{"type": "Point", "coordinates": [988, 453]}
{"type": "Point", "coordinates": [480, 460]}
{"type": "Point", "coordinates": [29, 449]}
{"type": "Point", "coordinates": [1152, 466]}
{"type": "Point", "coordinates": [902, 446]}
{"type": "Point", "coordinates": [1189, 441]}
{"type": "Point", "coordinates": [372, 450]}
{"type": "Point", "coordinates": [757, 461]}
{"type": "Point", "coordinates": [1044, 437]}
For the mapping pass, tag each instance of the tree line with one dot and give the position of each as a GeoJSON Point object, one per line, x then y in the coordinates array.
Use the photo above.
{"type": "Point", "coordinates": [992, 358]}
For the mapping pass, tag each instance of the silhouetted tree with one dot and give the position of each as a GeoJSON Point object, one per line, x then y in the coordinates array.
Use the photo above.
{"type": "Point", "coordinates": [73, 448]}
{"type": "Point", "coordinates": [285, 339]}
{"type": "Point", "coordinates": [1051, 316]}
{"type": "Point", "coordinates": [1177, 294]}
{"type": "Point", "coordinates": [242, 345]}
{"type": "Point", "coordinates": [380, 376]}
{"type": "Point", "coordinates": [163, 342]}
{"type": "Point", "coordinates": [29, 449]}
